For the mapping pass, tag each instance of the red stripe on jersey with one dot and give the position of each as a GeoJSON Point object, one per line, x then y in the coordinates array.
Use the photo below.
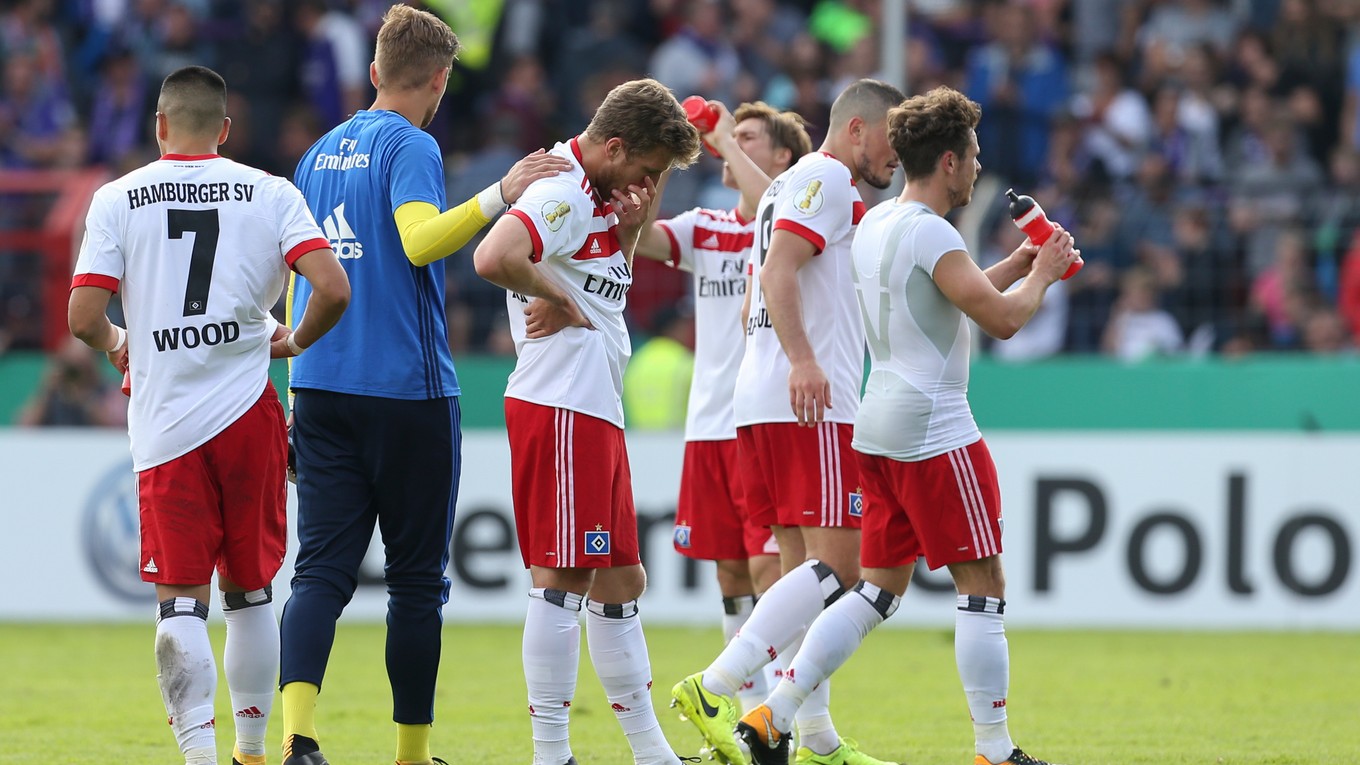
{"type": "Point", "coordinates": [95, 280]}
{"type": "Point", "coordinates": [722, 241]}
{"type": "Point", "coordinates": [674, 261]}
{"type": "Point", "coordinates": [311, 245]}
{"type": "Point", "coordinates": [533, 233]}
{"type": "Point", "coordinates": [784, 224]}
{"type": "Point", "coordinates": [599, 244]}
{"type": "Point", "coordinates": [189, 157]}
{"type": "Point", "coordinates": [857, 212]}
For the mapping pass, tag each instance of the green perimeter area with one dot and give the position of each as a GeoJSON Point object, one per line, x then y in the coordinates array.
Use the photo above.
{"type": "Point", "coordinates": [1265, 392]}
{"type": "Point", "coordinates": [76, 693]}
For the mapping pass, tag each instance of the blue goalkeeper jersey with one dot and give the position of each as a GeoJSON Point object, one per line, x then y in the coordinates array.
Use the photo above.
{"type": "Point", "coordinates": [393, 340]}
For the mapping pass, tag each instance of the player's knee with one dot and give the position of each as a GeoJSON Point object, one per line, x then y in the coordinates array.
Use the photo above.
{"type": "Point", "coordinates": [830, 582]}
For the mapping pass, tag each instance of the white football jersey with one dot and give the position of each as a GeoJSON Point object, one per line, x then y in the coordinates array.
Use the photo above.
{"type": "Point", "coordinates": [200, 249]}
{"type": "Point", "coordinates": [916, 399]}
{"type": "Point", "coordinates": [576, 245]}
{"type": "Point", "coordinates": [817, 200]}
{"type": "Point", "coordinates": [714, 245]}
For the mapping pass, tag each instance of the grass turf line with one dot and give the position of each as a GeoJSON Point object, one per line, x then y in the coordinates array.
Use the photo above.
{"type": "Point", "coordinates": [75, 693]}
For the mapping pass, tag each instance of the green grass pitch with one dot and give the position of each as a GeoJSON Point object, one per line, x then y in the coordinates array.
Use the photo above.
{"type": "Point", "coordinates": [87, 693]}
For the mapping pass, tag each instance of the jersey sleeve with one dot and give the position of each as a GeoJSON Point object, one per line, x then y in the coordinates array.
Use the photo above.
{"type": "Point", "coordinates": [415, 170]}
{"type": "Point", "coordinates": [556, 214]}
{"type": "Point", "coordinates": [935, 238]}
{"type": "Point", "coordinates": [298, 233]}
{"type": "Point", "coordinates": [820, 205]}
{"type": "Point", "coordinates": [680, 230]}
{"type": "Point", "coordinates": [101, 263]}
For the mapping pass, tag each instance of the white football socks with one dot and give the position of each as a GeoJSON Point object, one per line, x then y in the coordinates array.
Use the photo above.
{"type": "Point", "coordinates": [251, 663]}
{"type": "Point", "coordinates": [618, 651]}
{"type": "Point", "coordinates": [552, 653]}
{"type": "Point", "coordinates": [780, 615]}
{"type": "Point", "coordinates": [187, 674]}
{"type": "Point", "coordinates": [736, 610]}
{"type": "Point", "coordinates": [984, 667]}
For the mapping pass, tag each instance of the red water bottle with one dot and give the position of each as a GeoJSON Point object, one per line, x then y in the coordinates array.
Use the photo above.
{"type": "Point", "coordinates": [127, 384]}
{"type": "Point", "coordinates": [703, 117]}
{"type": "Point", "coordinates": [1029, 217]}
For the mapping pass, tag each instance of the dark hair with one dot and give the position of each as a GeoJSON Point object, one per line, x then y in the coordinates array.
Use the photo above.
{"type": "Point", "coordinates": [194, 99]}
{"type": "Point", "coordinates": [922, 128]}
{"type": "Point", "coordinates": [867, 99]}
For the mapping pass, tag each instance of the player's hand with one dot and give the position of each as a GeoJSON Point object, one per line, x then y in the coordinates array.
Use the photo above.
{"type": "Point", "coordinates": [119, 358]}
{"type": "Point", "coordinates": [633, 205]}
{"type": "Point", "coordinates": [537, 165]}
{"type": "Point", "coordinates": [1023, 256]}
{"type": "Point", "coordinates": [543, 317]}
{"type": "Point", "coordinates": [809, 393]}
{"type": "Point", "coordinates": [278, 344]}
{"type": "Point", "coordinates": [1055, 256]}
{"type": "Point", "coordinates": [722, 129]}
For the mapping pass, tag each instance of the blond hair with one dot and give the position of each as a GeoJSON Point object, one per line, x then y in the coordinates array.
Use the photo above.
{"type": "Point", "coordinates": [412, 46]}
{"type": "Point", "coordinates": [787, 130]}
{"type": "Point", "coordinates": [646, 117]}
{"type": "Point", "coordinates": [922, 128]}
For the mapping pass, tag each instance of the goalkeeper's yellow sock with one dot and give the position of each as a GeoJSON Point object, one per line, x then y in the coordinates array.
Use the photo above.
{"type": "Point", "coordinates": [299, 710]}
{"type": "Point", "coordinates": [413, 743]}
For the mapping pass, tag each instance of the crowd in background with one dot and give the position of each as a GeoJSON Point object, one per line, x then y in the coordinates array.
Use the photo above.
{"type": "Point", "coordinates": [1206, 153]}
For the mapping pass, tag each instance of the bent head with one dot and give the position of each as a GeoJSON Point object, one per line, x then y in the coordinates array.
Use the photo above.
{"type": "Point", "coordinates": [935, 137]}
{"type": "Point", "coordinates": [644, 132]}
{"type": "Point", "coordinates": [774, 140]}
{"type": "Point", "coordinates": [859, 130]}
{"type": "Point", "coordinates": [192, 104]}
{"type": "Point", "coordinates": [414, 52]}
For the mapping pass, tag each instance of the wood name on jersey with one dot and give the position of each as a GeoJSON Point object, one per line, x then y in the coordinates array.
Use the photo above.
{"type": "Point", "coordinates": [190, 193]}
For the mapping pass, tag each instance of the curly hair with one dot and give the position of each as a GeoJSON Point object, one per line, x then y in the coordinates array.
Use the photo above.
{"type": "Point", "coordinates": [922, 128]}
{"type": "Point", "coordinates": [646, 117]}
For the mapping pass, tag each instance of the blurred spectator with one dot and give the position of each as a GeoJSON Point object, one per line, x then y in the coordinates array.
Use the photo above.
{"type": "Point", "coordinates": [1174, 26]}
{"type": "Point", "coordinates": [1138, 328]}
{"type": "Point", "coordinates": [698, 60]}
{"type": "Point", "coordinates": [1282, 291]}
{"type": "Point", "coordinates": [1021, 84]}
{"type": "Point", "coordinates": [120, 111]}
{"type": "Point", "coordinates": [38, 126]}
{"type": "Point", "coordinates": [1325, 332]}
{"type": "Point", "coordinates": [1118, 123]}
{"type": "Point", "coordinates": [1191, 156]}
{"type": "Point", "coordinates": [335, 61]}
{"type": "Point", "coordinates": [601, 44]}
{"type": "Point", "coordinates": [72, 393]}
{"type": "Point", "coordinates": [656, 382]}
{"type": "Point", "coordinates": [1268, 196]}
{"type": "Point", "coordinates": [252, 63]}
{"type": "Point", "coordinates": [523, 100]}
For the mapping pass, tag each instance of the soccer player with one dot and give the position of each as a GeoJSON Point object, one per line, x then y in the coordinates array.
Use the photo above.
{"type": "Point", "coordinates": [796, 395]}
{"type": "Point", "coordinates": [376, 418]}
{"type": "Point", "coordinates": [201, 247]}
{"type": "Point", "coordinates": [930, 487]}
{"type": "Point", "coordinates": [711, 522]}
{"type": "Point", "coordinates": [568, 246]}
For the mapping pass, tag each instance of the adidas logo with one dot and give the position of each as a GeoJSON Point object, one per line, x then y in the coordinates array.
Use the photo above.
{"type": "Point", "coordinates": [341, 236]}
{"type": "Point", "coordinates": [595, 248]}
{"type": "Point", "coordinates": [150, 566]}
{"type": "Point", "coordinates": [253, 713]}
{"type": "Point", "coordinates": [710, 243]}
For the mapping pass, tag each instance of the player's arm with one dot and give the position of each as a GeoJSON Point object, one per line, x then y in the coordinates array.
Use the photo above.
{"type": "Point", "coordinates": [1000, 314]}
{"type": "Point", "coordinates": [329, 299]}
{"type": "Point", "coordinates": [751, 180]}
{"type": "Point", "coordinates": [428, 235]}
{"type": "Point", "coordinates": [746, 303]}
{"type": "Point", "coordinates": [504, 258]}
{"type": "Point", "coordinates": [654, 243]}
{"type": "Point", "coordinates": [809, 389]}
{"type": "Point", "coordinates": [87, 317]}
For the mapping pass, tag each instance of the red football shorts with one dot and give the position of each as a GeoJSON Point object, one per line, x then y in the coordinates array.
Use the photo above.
{"type": "Point", "coordinates": [222, 505]}
{"type": "Point", "coordinates": [799, 476]}
{"type": "Point", "coordinates": [711, 522]}
{"type": "Point", "coordinates": [571, 487]}
{"type": "Point", "coordinates": [947, 508]}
